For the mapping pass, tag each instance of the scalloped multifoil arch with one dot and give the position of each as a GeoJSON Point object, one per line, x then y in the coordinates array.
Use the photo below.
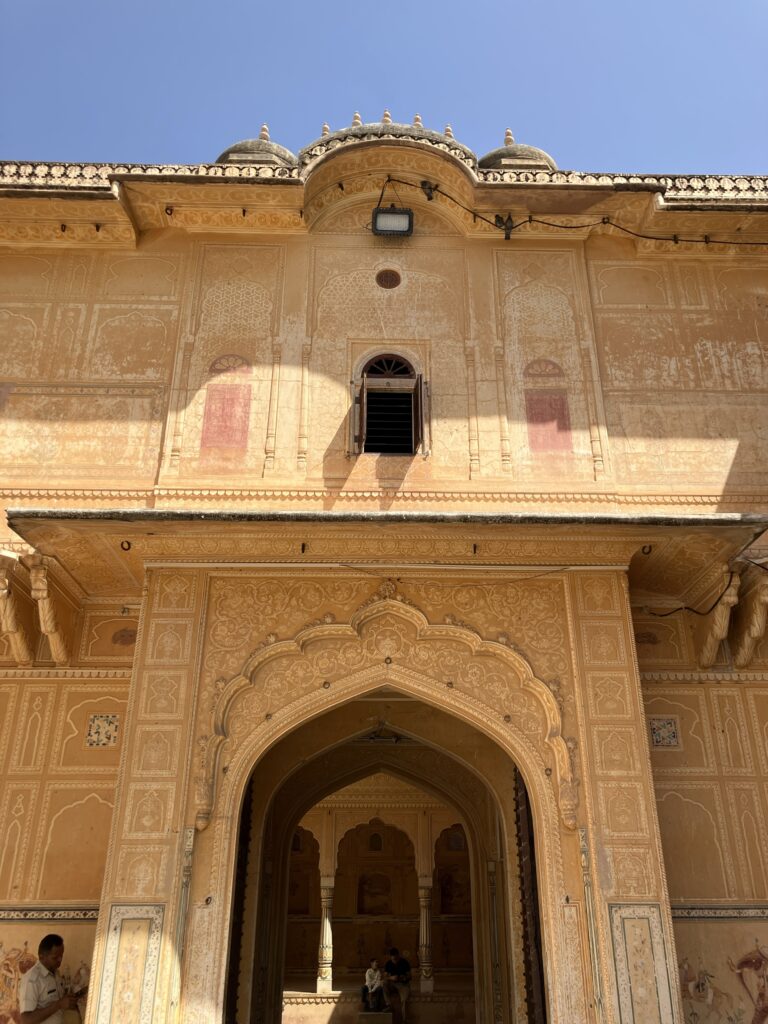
{"type": "Point", "coordinates": [388, 643]}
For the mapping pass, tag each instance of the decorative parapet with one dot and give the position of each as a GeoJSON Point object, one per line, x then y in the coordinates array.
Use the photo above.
{"type": "Point", "coordinates": [676, 189]}
{"type": "Point", "coordinates": [99, 177]}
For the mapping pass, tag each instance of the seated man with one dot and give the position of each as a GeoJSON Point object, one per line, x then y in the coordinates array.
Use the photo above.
{"type": "Point", "coordinates": [397, 974]}
{"type": "Point", "coordinates": [373, 990]}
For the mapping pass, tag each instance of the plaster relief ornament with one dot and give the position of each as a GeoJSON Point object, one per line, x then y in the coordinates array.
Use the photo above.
{"type": "Point", "coordinates": [387, 641]}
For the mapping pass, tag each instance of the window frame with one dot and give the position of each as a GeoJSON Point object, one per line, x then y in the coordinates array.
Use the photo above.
{"type": "Point", "coordinates": [363, 383]}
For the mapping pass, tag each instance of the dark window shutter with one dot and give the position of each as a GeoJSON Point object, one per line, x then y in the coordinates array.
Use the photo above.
{"type": "Point", "coordinates": [418, 413]}
{"type": "Point", "coordinates": [362, 415]}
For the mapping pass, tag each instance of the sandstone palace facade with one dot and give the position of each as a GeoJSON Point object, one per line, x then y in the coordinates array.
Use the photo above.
{"type": "Point", "coordinates": [364, 589]}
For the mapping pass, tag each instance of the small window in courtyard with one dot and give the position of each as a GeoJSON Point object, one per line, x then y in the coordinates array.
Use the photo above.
{"type": "Point", "coordinates": [375, 843]}
{"type": "Point", "coordinates": [390, 407]}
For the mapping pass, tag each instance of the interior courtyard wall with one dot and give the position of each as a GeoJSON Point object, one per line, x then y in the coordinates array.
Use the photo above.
{"type": "Point", "coordinates": [599, 364]}
{"type": "Point", "coordinates": [709, 750]}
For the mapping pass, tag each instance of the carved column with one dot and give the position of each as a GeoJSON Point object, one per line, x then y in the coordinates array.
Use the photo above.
{"type": "Point", "coordinates": [269, 447]}
{"type": "Point", "coordinates": [301, 455]}
{"type": "Point", "coordinates": [501, 397]}
{"type": "Point", "coordinates": [325, 951]}
{"type": "Point", "coordinates": [425, 938]}
{"type": "Point", "coordinates": [474, 433]}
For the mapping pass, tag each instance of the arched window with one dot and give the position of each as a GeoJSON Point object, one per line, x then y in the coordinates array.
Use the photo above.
{"type": "Point", "coordinates": [227, 404]}
{"type": "Point", "coordinates": [375, 842]}
{"type": "Point", "coordinates": [390, 407]}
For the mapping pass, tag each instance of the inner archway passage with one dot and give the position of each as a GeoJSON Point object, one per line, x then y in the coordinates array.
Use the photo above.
{"type": "Point", "coordinates": [414, 849]}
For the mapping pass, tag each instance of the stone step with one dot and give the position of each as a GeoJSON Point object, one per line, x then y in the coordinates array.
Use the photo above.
{"type": "Point", "coordinates": [384, 1017]}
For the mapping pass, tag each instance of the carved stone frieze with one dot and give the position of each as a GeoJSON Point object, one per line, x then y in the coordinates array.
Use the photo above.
{"type": "Point", "coordinates": [448, 664]}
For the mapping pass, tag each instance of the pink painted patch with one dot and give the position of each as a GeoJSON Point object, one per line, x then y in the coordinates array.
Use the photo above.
{"type": "Point", "coordinates": [227, 409]}
{"type": "Point", "coordinates": [549, 426]}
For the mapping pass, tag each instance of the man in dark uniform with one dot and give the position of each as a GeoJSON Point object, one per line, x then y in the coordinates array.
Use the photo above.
{"type": "Point", "coordinates": [397, 984]}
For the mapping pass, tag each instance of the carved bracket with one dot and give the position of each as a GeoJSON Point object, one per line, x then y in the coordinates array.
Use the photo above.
{"type": "Point", "coordinates": [41, 592]}
{"type": "Point", "coordinates": [750, 615]}
{"type": "Point", "coordinates": [713, 628]}
{"type": "Point", "coordinates": [10, 627]}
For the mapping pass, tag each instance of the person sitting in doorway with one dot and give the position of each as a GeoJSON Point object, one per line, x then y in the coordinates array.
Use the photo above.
{"type": "Point", "coordinates": [397, 984]}
{"type": "Point", "coordinates": [41, 993]}
{"type": "Point", "coordinates": [373, 989]}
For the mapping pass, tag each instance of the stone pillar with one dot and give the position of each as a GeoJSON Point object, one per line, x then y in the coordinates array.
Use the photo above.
{"type": "Point", "coordinates": [325, 950]}
{"type": "Point", "coordinates": [627, 909]}
{"type": "Point", "coordinates": [425, 938]}
{"type": "Point", "coordinates": [147, 877]}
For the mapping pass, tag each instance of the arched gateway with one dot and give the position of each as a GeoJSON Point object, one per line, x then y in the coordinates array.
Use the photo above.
{"type": "Point", "coordinates": [476, 701]}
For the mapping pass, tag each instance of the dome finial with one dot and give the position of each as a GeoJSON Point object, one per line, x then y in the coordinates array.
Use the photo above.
{"type": "Point", "coordinates": [326, 129]}
{"type": "Point", "coordinates": [357, 120]}
{"type": "Point", "coordinates": [386, 117]}
{"type": "Point", "coordinates": [417, 122]}
{"type": "Point", "coordinates": [509, 138]}
{"type": "Point", "coordinates": [264, 133]}
{"type": "Point", "coordinates": [448, 133]}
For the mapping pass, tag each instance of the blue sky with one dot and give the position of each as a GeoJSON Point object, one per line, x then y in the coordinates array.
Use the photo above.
{"type": "Point", "coordinates": [652, 86]}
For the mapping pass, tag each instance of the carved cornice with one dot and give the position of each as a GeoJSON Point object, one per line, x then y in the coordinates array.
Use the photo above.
{"type": "Point", "coordinates": [65, 674]}
{"type": "Point", "coordinates": [723, 190]}
{"type": "Point", "coordinates": [694, 678]}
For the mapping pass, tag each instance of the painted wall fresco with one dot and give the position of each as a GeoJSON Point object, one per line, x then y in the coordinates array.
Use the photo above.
{"type": "Point", "coordinates": [122, 348]}
{"type": "Point", "coordinates": [18, 953]}
{"type": "Point", "coordinates": [709, 750]}
{"type": "Point", "coordinates": [723, 969]}
{"type": "Point", "coordinates": [60, 744]}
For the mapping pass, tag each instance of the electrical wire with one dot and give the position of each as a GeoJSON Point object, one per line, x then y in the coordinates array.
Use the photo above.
{"type": "Point", "coordinates": [687, 608]}
{"type": "Point", "coordinates": [603, 222]}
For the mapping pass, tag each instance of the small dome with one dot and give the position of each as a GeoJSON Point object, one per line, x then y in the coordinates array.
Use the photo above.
{"type": "Point", "coordinates": [514, 156]}
{"type": "Point", "coordinates": [258, 151]}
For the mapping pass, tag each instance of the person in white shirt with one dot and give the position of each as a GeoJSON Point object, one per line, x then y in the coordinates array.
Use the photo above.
{"type": "Point", "coordinates": [41, 992]}
{"type": "Point", "coordinates": [373, 993]}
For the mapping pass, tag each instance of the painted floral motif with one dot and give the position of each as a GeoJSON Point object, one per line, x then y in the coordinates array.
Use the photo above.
{"type": "Point", "coordinates": [102, 730]}
{"type": "Point", "coordinates": [665, 732]}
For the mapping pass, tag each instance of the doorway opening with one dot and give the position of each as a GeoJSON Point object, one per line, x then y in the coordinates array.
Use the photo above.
{"type": "Point", "coordinates": [383, 837]}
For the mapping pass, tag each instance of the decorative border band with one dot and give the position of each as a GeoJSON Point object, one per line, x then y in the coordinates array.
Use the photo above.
{"type": "Point", "coordinates": [49, 913]}
{"type": "Point", "coordinates": [720, 913]}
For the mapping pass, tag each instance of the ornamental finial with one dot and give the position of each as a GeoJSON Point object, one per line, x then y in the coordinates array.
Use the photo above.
{"type": "Point", "coordinates": [509, 138]}
{"type": "Point", "coordinates": [357, 120]}
{"type": "Point", "coordinates": [326, 129]}
{"type": "Point", "coordinates": [264, 133]}
{"type": "Point", "coordinates": [417, 122]}
{"type": "Point", "coordinates": [448, 133]}
{"type": "Point", "coordinates": [386, 117]}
